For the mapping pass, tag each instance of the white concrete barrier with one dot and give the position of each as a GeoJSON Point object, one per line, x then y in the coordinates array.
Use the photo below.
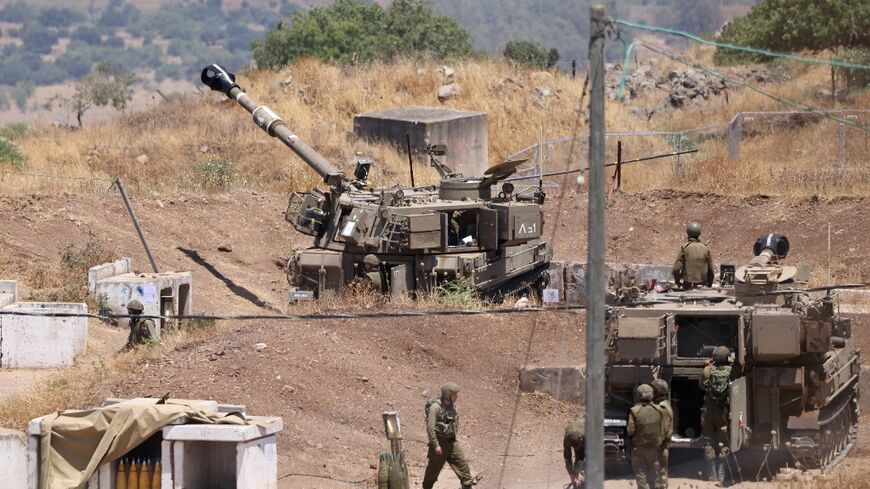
{"type": "Point", "coordinates": [14, 460]}
{"type": "Point", "coordinates": [8, 292]}
{"type": "Point", "coordinates": [42, 341]}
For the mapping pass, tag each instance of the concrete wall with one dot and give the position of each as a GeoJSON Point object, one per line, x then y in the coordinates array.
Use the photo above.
{"type": "Point", "coordinates": [147, 288]}
{"type": "Point", "coordinates": [106, 270]}
{"type": "Point", "coordinates": [40, 341]}
{"type": "Point", "coordinates": [570, 278]}
{"type": "Point", "coordinates": [8, 292]}
{"type": "Point", "coordinates": [566, 383]}
{"type": "Point", "coordinates": [14, 460]}
{"type": "Point", "coordinates": [466, 134]}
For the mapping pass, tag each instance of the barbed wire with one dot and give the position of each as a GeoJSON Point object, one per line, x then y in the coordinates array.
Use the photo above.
{"type": "Point", "coordinates": [308, 316]}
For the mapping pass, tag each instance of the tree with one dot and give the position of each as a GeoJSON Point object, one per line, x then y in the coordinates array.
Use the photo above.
{"type": "Point", "coordinates": [696, 16]}
{"type": "Point", "coordinates": [355, 31]}
{"type": "Point", "coordinates": [797, 25]}
{"type": "Point", "coordinates": [530, 54]}
{"type": "Point", "coordinates": [106, 85]}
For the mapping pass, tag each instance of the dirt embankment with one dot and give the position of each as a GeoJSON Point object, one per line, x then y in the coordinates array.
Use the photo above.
{"type": "Point", "coordinates": [331, 380]}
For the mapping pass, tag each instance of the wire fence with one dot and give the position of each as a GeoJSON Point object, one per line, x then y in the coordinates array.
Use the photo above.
{"type": "Point", "coordinates": [836, 151]}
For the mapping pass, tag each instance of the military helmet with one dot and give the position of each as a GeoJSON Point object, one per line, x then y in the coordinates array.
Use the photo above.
{"type": "Point", "coordinates": [449, 388]}
{"type": "Point", "coordinates": [371, 261]}
{"type": "Point", "coordinates": [660, 386]}
{"type": "Point", "coordinates": [720, 354]}
{"type": "Point", "coordinates": [135, 306]}
{"type": "Point", "coordinates": [693, 230]}
{"type": "Point", "coordinates": [644, 393]}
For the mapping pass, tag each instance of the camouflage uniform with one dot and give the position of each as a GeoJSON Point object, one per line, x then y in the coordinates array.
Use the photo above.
{"type": "Point", "coordinates": [694, 264]}
{"type": "Point", "coordinates": [574, 447]}
{"type": "Point", "coordinates": [372, 278]}
{"type": "Point", "coordinates": [141, 330]}
{"type": "Point", "coordinates": [647, 430]}
{"type": "Point", "coordinates": [714, 425]}
{"type": "Point", "coordinates": [660, 388]}
{"type": "Point", "coordinates": [442, 426]}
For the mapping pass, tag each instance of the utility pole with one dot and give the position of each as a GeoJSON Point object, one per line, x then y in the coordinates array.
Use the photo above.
{"type": "Point", "coordinates": [595, 256]}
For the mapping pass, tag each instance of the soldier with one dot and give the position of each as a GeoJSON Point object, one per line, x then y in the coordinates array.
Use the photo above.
{"type": "Point", "coordinates": [574, 441]}
{"type": "Point", "coordinates": [442, 426]}
{"type": "Point", "coordinates": [372, 277]}
{"type": "Point", "coordinates": [647, 430]}
{"type": "Point", "coordinates": [141, 330]}
{"type": "Point", "coordinates": [660, 393]}
{"type": "Point", "coordinates": [694, 265]}
{"type": "Point", "coordinates": [714, 415]}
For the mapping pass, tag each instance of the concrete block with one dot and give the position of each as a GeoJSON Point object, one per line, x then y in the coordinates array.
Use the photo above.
{"type": "Point", "coordinates": [864, 389]}
{"type": "Point", "coordinates": [8, 292]}
{"type": "Point", "coordinates": [15, 460]}
{"type": "Point", "coordinates": [106, 270]}
{"type": "Point", "coordinates": [566, 383]}
{"type": "Point", "coordinates": [160, 293]}
{"type": "Point", "coordinates": [257, 464]}
{"type": "Point", "coordinates": [42, 341]}
{"type": "Point", "coordinates": [224, 433]}
{"type": "Point", "coordinates": [465, 134]}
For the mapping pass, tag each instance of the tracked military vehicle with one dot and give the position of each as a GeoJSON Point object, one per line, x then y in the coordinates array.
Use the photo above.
{"type": "Point", "coordinates": [794, 387]}
{"type": "Point", "coordinates": [463, 228]}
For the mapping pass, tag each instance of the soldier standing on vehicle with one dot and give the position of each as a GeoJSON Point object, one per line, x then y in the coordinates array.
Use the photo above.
{"type": "Point", "coordinates": [442, 426]}
{"type": "Point", "coordinates": [648, 428]}
{"type": "Point", "coordinates": [141, 330]}
{"type": "Point", "coordinates": [714, 415]}
{"type": "Point", "coordinates": [660, 393]}
{"type": "Point", "coordinates": [694, 265]}
{"type": "Point", "coordinates": [574, 449]}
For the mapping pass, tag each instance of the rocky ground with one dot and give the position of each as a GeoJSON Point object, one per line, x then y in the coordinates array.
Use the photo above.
{"type": "Point", "coordinates": [331, 379]}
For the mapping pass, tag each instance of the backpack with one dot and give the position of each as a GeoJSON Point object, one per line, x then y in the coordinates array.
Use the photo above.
{"type": "Point", "coordinates": [717, 384]}
{"type": "Point", "coordinates": [429, 404]}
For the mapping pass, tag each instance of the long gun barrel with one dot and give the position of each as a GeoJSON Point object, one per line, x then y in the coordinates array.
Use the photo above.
{"type": "Point", "coordinates": [220, 80]}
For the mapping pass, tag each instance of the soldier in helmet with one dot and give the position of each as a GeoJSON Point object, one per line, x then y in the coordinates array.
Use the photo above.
{"type": "Point", "coordinates": [694, 265]}
{"type": "Point", "coordinates": [648, 428]}
{"type": "Point", "coordinates": [715, 383]}
{"type": "Point", "coordinates": [660, 397]}
{"type": "Point", "coordinates": [141, 330]}
{"type": "Point", "coordinates": [573, 450]}
{"type": "Point", "coordinates": [372, 278]}
{"type": "Point", "coordinates": [442, 426]}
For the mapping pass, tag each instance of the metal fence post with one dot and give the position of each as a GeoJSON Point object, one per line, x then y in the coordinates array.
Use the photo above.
{"type": "Point", "coordinates": [735, 133]}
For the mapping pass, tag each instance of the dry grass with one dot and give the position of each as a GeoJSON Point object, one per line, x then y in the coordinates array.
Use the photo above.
{"type": "Point", "coordinates": [205, 143]}
{"type": "Point", "coordinates": [88, 384]}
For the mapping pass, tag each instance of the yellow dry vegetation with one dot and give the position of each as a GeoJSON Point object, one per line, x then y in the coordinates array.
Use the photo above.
{"type": "Point", "coordinates": [205, 143]}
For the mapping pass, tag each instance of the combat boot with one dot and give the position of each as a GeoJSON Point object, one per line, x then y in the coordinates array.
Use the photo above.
{"type": "Point", "coordinates": [711, 471]}
{"type": "Point", "coordinates": [720, 475]}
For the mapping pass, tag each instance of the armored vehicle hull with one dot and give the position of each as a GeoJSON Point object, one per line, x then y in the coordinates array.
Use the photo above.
{"type": "Point", "coordinates": [794, 383]}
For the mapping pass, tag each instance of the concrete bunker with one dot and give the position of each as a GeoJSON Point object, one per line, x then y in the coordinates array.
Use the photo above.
{"type": "Point", "coordinates": [465, 134]}
{"type": "Point", "coordinates": [162, 294]}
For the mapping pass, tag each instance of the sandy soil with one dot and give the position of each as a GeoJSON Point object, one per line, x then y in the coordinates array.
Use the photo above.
{"type": "Point", "coordinates": [330, 380]}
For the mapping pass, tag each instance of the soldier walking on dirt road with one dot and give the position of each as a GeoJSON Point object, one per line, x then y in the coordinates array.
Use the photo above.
{"type": "Point", "coordinates": [694, 264]}
{"type": "Point", "coordinates": [660, 393]}
{"type": "Point", "coordinates": [141, 330]}
{"type": "Point", "coordinates": [573, 449]}
{"type": "Point", "coordinates": [648, 428]}
{"type": "Point", "coordinates": [715, 383]}
{"type": "Point", "coordinates": [442, 426]}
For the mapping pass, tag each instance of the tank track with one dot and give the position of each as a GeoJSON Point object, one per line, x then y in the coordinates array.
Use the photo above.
{"type": "Point", "coordinates": [827, 446]}
{"type": "Point", "coordinates": [534, 281]}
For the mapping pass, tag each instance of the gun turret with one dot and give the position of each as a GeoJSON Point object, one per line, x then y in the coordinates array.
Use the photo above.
{"type": "Point", "coordinates": [220, 80]}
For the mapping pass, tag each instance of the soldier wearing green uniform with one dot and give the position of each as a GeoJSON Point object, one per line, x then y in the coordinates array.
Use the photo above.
{"type": "Point", "coordinates": [141, 330]}
{"type": "Point", "coordinates": [648, 428]}
{"type": "Point", "coordinates": [660, 397]}
{"type": "Point", "coordinates": [573, 450]}
{"type": "Point", "coordinates": [694, 264]}
{"type": "Point", "coordinates": [372, 277]}
{"type": "Point", "coordinates": [442, 426]}
{"type": "Point", "coordinates": [714, 415]}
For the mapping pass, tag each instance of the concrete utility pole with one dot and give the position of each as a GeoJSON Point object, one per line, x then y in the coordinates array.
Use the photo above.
{"type": "Point", "coordinates": [595, 258]}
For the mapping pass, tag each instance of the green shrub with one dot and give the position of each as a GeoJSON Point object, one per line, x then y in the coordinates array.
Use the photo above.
{"type": "Point", "coordinates": [458, 294]}
{"type": "Point", "coordinates": [9, 153]}
{"type": "Point", "coordinates": [530, 54]}
{"type": "Point", "coordinates": [216, 175]}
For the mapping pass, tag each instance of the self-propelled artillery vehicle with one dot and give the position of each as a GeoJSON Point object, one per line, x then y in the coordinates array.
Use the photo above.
{"type": "Point", "coordinates": [463, 228]}
{"type": "Point", "coordinates": [794, 382]}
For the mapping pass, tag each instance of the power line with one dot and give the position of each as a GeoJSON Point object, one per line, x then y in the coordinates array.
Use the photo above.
{"type": "Point", "coordinates": [58, 177]}
{"type": "Point", "coordinates": [735, 47]}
